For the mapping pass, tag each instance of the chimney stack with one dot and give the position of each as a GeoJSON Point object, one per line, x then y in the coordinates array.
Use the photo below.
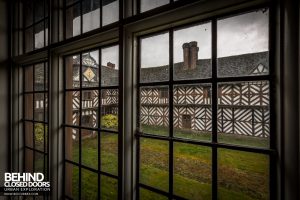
{"type": "Point", "coordinates": [193, 54]}
{"type": "Point", "coordinates": [111, 65]}
{"type": "Point", "coordinates": [190, 55]}
{"type": "Point", "coordinates": [186, 55]}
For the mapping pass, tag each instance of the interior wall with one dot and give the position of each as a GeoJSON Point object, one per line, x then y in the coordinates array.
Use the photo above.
{"type": "Point", "coordinates": [4, 92]}
{"type": "Point", "coordinates": [291, 99]}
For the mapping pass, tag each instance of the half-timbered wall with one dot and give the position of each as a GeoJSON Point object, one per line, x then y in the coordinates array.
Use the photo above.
{"type": "Point", "coordinates": [243, 108]}
{"type": "Point", "coordinates": [109, 105]}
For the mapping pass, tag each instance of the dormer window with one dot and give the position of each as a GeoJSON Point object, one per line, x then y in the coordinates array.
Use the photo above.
{"type": "Point", "coordinates": [87, 96]}
{"type": "Point", "coordinates": [260, 69]}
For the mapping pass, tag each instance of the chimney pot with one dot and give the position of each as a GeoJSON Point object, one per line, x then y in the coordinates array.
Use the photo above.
{"type": "Point", "coordinates": [111, 65]}
{"type": "Point", "coordinates": [186, 55]}
{"type": "Point", "coordinates": [194, 49]}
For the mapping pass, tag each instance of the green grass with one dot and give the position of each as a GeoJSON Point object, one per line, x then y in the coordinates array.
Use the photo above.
{"type": "Point", "coordinates": [201, 136]}
{"type": "Point", "coordinates": [241, 175]}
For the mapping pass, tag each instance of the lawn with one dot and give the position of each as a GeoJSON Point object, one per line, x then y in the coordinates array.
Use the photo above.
{"type": "Point", "coordinates": [241, 175]}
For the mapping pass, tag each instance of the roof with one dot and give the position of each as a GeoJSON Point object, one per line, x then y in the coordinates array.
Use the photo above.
{"type": "Point", "coordinates": [239, 65]}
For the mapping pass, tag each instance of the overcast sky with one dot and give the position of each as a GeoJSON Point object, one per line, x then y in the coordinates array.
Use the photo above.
{"type": "Point", "coordinates": [241, 34]}
{"type": "Point", "coordinates": [109, 54]}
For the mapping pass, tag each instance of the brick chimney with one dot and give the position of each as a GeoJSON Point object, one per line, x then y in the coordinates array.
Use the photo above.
{"type": "Point", "coordinates": [193, 54]}
{"type": "Point", "coordinates": [111, 65]}
{"type": "Point", "coordinates": [186, 55]}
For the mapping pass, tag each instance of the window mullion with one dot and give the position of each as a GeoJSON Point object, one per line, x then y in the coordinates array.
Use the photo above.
{"type": "Point", "coordinates": [171, 144]}
{"type": "Point", "coordinates": [214, 112]}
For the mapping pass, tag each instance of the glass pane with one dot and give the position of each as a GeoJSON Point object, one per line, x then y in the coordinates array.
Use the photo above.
{"type": "Point", "coordinates": [91, 14]}
{"type": "Point", "coordinates": [47, 33]}
{"type": "Point", "coordinates": [39, 35]}
{"type": "Point", "coordinates": [46, 174]}
{"type": "Point", "coordinates": [28, 12]}
{"type": "Point", "coordinates": [154, 110]}
{"type": "Point", "coordinates": [46, 76]}
{"type": "Point", "coordinates": [190, 60]}
{"type": "Point", "coordinates": [73, 21]}
{"type": "Point", "coordinates": [155, 58]}
{"type": "Point", "coordinates": [28, 104]}
{"type": "Point", "coordinates": [243, 45]}
{"type": "Point", "coordinates": [72, 107]}
{"type": "Point", "coordinates": [192, 171]}
{"type": "Point", "coordinates": [69, 2]}
{"type": "Point", "coordinates": [46, 137]}
{"type": "Point", "coordinates": [89, 108]}
{"type": "Point", "coordinates": [28, 78]}
{"type": "Point", "coordinates": [46, 8]}
{"type": "Point", "coordinates": [110, 11]}
{"type": "Point", "coordinates": [153, 171]}
{"type": "Point", "coordinates": [149, 195]}
{"type": "Point", "coordinates": [29, 134]}
{"type": "Point", "coordinates": [38, 162]}
{"type": "Point", "coordinates": [39, 136]}
{"type": "Point", "coordinates": [46, 107]}
{"type": "Point", "coordinates": [244, 114]}
{"type": "Point", "coordinates": [109, 188]}
{"type": "Point", "coordinates": [71, 181]}
{"type": "Point", "coordinates": [109, 109]}
{"type": "Point", "coordinates": [39, 103]}
{"type": "Point", "coordinates": [39, 10]}
{"type": "Point", "coordinates": [28, 39]}
{"type": "Point", "coordinates": [89, 185]}
{"type": "Point", "coordinates": [39, 77]}
{"type": "Point", "coordinates": [89, 148]}
{"type": "Point", "coordinates": [242, 175]}
{"type": "Point", "coordinates": [192, 111]}
{"type": "Point", "coordinates": [28, 160]}
{"type": "Point", "coordinates": [72, 144]}
{"type": "Point", "coordinates": [150, 4]}
{"type": "Point", "coordinates": [110, 66]}
{"type": "Point", "coordinates": [90, 69]}
{"type": "Point", "coordinates": [72, 67]}
{"type": "Point", "coordinates": [109, 153]}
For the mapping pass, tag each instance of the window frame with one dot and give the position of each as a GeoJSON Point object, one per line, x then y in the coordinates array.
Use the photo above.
{"type": "Point", "coordinates": [270, 151]}
{"type": "Point", "coordinates": [133, 25]}
{"type": "Point", "coordinates": [45, 19]}
{"type": "Point", "coordinates": [44, 122]}
{"type": "Point", "coordinates": [97, 129]}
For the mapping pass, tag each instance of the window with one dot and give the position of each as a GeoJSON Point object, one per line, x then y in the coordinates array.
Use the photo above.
{"type": "Point", "coordinates": [210, 125]}
{"type": "Point", "coordinates": [87, 96]}
{"type": "Point", "coordinates": [91, 125]}
{"type": "Point", "coordinates": [150, 4]}
{"type": "Point", "coordinates": [35, 118]}
{"type": "Point", "coordinates": [163, 93]}
{"type": "Point", "coordinates": [206, 92]}
{"type": "Point", "coordinates": [36, 22]}
{"type": "Point", "coordinates": [191, 115]}
{"type": "Point", "coordinates": [86, 15]}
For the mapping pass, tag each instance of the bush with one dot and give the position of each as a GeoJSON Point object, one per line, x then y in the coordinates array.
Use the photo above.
{"type": "Point", "coordinates": [109, 121]}
{"type": "Point", "coordinates": [39, 132]}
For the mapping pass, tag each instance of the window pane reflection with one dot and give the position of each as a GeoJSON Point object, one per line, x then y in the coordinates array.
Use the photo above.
{"type": "Point", "coordinates": [150, 4]}
{"type": "Point", "coordinates": [110, 11]}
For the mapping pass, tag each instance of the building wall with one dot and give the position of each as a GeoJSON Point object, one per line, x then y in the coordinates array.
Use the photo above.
{"type": "Point", "coordinates": [243, 108]}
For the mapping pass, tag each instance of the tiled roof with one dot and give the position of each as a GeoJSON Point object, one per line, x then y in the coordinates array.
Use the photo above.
{"type": "Point", "coordinates": [240, 65]}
